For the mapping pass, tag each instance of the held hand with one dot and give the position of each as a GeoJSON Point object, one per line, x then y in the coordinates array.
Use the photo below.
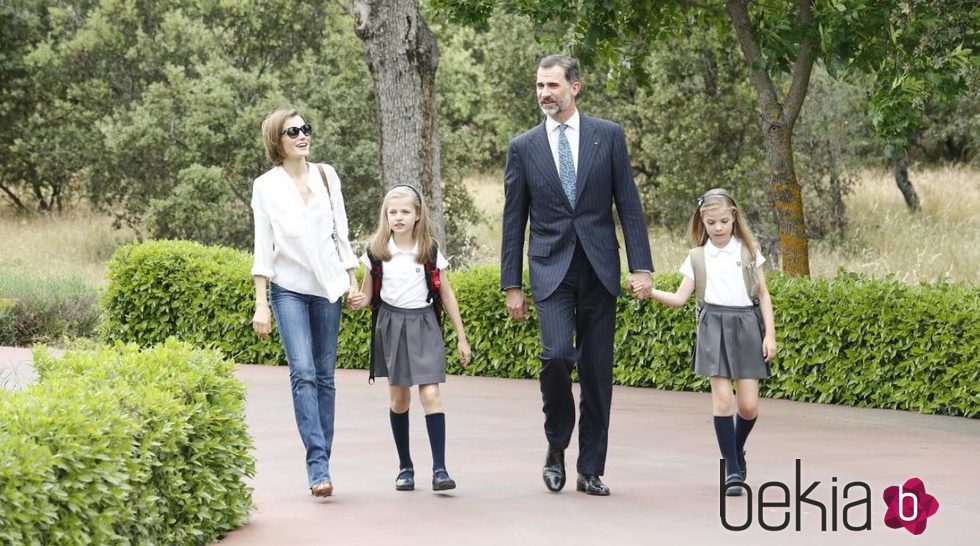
{"type": "Point", "coordinates": [516, 304]}
{"type": "Point", "coordinates": [355, 299]}
{"type": "Point", "coordinates": [463, 348]}
{"type": "Point", "coordinates": [640, 284]}
{"type": "Point", "coordinates": [769, 348]}
{"type": "Point", "coordinates": [262, 320]}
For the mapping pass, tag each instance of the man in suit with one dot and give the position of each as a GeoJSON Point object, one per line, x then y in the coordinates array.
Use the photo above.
{"type": "Point", "coordinates": [565, 174]}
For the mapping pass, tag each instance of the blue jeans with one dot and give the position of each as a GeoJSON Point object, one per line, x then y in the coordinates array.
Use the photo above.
{"type": "Point", "coordinates": [308, 326]}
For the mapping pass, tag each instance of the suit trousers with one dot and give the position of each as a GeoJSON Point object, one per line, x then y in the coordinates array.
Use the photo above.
{"type": "Point", "coordinates": [578, 325]}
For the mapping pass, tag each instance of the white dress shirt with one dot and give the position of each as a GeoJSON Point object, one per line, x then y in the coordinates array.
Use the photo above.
{"type": "Point", "coordinates": [293, 245]}
{"type": "Point", "coordinates": [403, 283]}
{"type": "Point", "coordinates": [572, 132]}
{"type": "Point", "coordinates": [724, 284]}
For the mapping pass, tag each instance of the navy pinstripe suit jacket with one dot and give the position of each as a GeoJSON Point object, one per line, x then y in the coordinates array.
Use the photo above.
{"type": "Point", "coordinates": [533, 190]}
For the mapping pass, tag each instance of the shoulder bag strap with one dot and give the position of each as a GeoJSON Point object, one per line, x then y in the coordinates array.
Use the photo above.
{"type": "Point", "coordinates": [333, 214]}
{"type": "Point", "coordinates": [749, 275]}
{"type": "Point", "coordinates": [700, 277]}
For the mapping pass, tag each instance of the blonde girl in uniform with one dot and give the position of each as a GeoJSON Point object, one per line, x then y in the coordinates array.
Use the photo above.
{"type": "Point", "coordinates": [408, 347]}
{"type": "Point", "coordinates": [736, 338]}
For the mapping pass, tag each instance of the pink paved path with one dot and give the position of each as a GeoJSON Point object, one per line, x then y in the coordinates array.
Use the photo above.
{"type": "Point", "coordinates": [662, 469]}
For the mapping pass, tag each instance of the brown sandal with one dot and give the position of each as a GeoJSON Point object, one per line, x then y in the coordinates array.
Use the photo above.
{"type": "Point", "coordinates": [322, 489]}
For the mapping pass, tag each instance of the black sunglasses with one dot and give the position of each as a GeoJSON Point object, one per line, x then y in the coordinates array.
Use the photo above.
{"type": "Point", "coordinates": [293, 132]}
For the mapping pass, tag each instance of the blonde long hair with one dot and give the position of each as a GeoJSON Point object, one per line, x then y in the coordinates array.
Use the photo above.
{"type": "Point", "coordinates": [423, 233]}
{"type": "Point", "coordinates": [713, 199]}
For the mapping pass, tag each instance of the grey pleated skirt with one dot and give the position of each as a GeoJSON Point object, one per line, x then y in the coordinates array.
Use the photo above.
{"type": "Point", "coordinates": [409, 347]}
{"type": "Point", "coordinates": [730, 343]}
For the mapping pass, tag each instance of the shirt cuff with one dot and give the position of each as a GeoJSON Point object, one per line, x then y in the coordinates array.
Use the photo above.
{"type": "Point", "coordinates": [261, 272]}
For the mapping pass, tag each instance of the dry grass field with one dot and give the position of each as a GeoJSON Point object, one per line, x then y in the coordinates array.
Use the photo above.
{"type": "Point", "coordinates": [940, 242]}
{"type": "Point", "coordinates": [77, 244]}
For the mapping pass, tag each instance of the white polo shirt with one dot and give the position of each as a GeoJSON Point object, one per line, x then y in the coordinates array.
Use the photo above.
{"type": "Point", "coordinates": [724, 284]}
{"type": "Point", "coordinates": [293, 247]}
{"type": "Point", "coordinates": [403, 284]}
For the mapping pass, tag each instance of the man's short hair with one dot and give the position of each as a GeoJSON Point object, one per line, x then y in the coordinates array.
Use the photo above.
{"type": "Point", "coordinates": [566, 62]}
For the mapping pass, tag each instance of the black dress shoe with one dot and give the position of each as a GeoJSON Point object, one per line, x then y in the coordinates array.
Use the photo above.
{"type": "Point", "coordinates": [441, 481]}
{"type": "Point", "coordinates": [554, 469]}
{"type": "Point", "coordinates": [591, 484]}
{"type": "Point", "coordinates": [733, 490]}
{"type": "Point", "coordinates": [741, 465]}
{"type": "Point", "coordinates": [405, 480]}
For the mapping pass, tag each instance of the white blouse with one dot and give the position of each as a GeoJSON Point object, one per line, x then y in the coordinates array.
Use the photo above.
{"type": "Point", "coordinates": [403, 284]}
{"type": "Point", "coordinates": [724, 284]}
{"type": "Point", "coordinates": [293, 245]}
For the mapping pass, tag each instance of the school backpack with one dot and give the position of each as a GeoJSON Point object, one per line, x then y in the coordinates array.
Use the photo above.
{"type": "Point", "coordinates": [700, 275]}
{"type": "Point", "coordinates": [433, 281]}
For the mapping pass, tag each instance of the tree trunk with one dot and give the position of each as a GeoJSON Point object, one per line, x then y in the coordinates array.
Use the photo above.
{"type": "Point", "coordinates": [839, 209]}
{"type": "Point", "coordinates": [787, 199]}
{"type": "Point", "coordinates": [403, 56]}
{"type": "Point", "coordinates": [13, 199]}
{"type": "Point", "coordinates": [905, 185]}
{"type": "Point", "coordinates": [778, 118]}
{"type": "Point", "coordinates": [43, 203]}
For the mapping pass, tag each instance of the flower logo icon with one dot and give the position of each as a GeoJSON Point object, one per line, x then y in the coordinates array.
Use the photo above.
{"type": "Point", "coordinates": [909, 506]}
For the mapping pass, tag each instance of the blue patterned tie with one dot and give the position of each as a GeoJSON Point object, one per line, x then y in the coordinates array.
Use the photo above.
{"type": "Point", "coordinates": [566, 167]}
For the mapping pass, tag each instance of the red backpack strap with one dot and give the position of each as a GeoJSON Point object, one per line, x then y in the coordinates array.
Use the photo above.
{"type": "Point", "coordinates": [377, 272]}
{"type": "Point", "coordinates": [433, 281]}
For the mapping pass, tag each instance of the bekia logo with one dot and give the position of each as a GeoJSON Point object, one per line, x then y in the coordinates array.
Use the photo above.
{"type": "Point", "coordinates": [908, 505]}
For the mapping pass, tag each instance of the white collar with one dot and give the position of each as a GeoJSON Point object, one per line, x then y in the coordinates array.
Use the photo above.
{"type": "Point", "coordinates": [393, 248]}
{"type": "Point", "coordinates": [551, 125]}
{"type": "Point", "coordinates": [730, 248]}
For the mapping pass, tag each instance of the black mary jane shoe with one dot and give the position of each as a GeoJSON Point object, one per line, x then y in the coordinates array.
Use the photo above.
{"type": "Point", "coordinates": [733, 490]}
{"type": "Point", "coordinates": [405, 480]}
{"type": "Point", "coordinates": [554, 469]}
{"type": "Point", "coordinates": [591, 484]}
{"type": "Point", "coordinates": [441, 481]}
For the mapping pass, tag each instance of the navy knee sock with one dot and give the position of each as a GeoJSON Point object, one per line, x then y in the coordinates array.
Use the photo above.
{"type": "Point", "coordinates": [399, 429]}
{"type": "Point", "coordinates": [725, 431]}
{"type": "Point", "coordinates": [436, 425]}
{"type": "Point", "coordinates": [742, 429]}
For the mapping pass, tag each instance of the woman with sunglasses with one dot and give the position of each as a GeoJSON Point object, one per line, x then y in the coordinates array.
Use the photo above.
{"type": "Point", "coordinates": [303, 259]}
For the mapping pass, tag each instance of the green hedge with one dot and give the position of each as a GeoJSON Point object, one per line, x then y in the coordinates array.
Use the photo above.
{"type": "Point", "coordinates": [847, 340]}
{"type": "Point", "coordinates": [117, 445]}
{"type": "Point", "coordinates": [198, 294]}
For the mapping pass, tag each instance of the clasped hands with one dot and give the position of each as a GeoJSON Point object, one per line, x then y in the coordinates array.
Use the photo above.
{"type": "Point", "coordinates": [640, 284]}
{"type": "Point", "coordinates": [355, 298]}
